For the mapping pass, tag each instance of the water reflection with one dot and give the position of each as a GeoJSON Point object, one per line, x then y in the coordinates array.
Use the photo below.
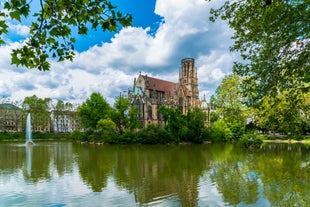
{"type": "Point", "coordinates": [180, 175]}
{"type": "Point", "coordinates": [28, 159]}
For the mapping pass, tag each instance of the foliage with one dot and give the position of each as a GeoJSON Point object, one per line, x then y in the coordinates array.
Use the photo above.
{"type": "Point", "coordinates": [196, 124]}
{"type": "Point", "coordinates": [228, 100]}
{"type": "Point", "coordinates": [133, 122]}
{"type": "Point", "coordinates": [128, 137]}
{"type": "Point", "coordinates": [273, 41]}
{"type": "Point", "coordinates": [237, 130]}
{"type": "Point", "coordinates": [39, 109]}
{"type": "Point", "coordinates": [214, 116]}
{"type": "Point", "coordinates": [93, 109]}
{"type": "Point", "coordinates": [283, 114]}
{"type": "Point", "coordinates": [184, 128]}
{"type": "Point", "coordinates": [107, 128]}
{"type": "Point", "coordinates": [219, 131]}
{"type": "Point", "coordinates": [152, 134]}
{"type": "Point", "coordinates": [118, 115]}
{"type": "Point", "coordinates": [77, 135]}
{"type": "Point", "coordinates": [250, 140]}
{"type": "Point", "coordinates": [56, 22]}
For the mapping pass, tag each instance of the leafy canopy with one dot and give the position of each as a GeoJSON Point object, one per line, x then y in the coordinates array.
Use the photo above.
{"type": "Point", "coordinates": [273, 39]}
{"type": "Point", "coordinates": [51, 33]}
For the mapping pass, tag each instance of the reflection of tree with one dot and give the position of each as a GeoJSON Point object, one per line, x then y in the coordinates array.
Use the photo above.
{"type": "Point", "coordinates": [14, 159]}
{"type": "Point", "coordinates": [233, 177]}
{"type": "Point", "coordinates": [286, 174]}
{"type": "Point", "coordinates": [95, 165]}
{"type": "Point", "coordinates": [280, 172]}
{"type": "Point", "coordinates": [154, 172]}
{"type": "Point", "coordinates": [62, 157]}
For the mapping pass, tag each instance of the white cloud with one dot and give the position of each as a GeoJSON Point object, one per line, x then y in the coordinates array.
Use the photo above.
{"type": "Point", "coordinates": [19, 29]}
{"type": "Point", "coordinates": [110, 68]}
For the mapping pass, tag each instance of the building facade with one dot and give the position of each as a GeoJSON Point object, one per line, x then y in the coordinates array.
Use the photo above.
{"type": "Point", "coordinates": [149, 93]}
{"type": "Point", "coordinates": [11, 118]}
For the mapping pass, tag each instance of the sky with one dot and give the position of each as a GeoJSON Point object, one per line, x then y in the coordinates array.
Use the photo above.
{"type": "Point", "coordinates": [162, 34]}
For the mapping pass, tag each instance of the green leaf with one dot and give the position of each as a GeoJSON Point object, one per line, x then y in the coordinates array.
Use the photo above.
{"type": "Point", "coordinates": [15, 15]}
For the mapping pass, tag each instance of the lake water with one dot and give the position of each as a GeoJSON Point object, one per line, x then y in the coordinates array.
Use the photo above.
{"type": "Point", "coordinates": [69, 174]}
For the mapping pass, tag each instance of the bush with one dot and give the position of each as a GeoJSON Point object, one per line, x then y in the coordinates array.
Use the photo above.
{"type": "Point", "coordinates": [154, 135]}
{"type": "Point", "coordinates": [219, 131]}
{"type": "Point", "coordinates": [128, 137]}
{"type": "Point", "coordinates": [237, 130]}
{"type": "Point", "coordinates": [77, 135]}
{"type": "Point", "coordinates": [250, 140]}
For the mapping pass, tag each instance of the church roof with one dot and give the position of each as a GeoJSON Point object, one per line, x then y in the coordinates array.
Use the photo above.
{"type": "Point", "coordinates": [161, 85]}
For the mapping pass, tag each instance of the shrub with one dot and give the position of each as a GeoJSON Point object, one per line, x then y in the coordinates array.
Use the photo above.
{"type": "Point", "coordinates": [237, 130]}
{"type": "Point", "coordinates": [128, 137]}
{"type": "Point", "coordinates": [154, 135]}
{"type": "Point", "coordinates": [219, 131]}
{"type": "Point", "coordinates": [250, 140]}
{"type": "Point", "coordinates": [77, 135]}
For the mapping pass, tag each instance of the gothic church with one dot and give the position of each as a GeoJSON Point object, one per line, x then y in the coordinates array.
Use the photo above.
{"type": "Point", "coordinates": [149, 93]}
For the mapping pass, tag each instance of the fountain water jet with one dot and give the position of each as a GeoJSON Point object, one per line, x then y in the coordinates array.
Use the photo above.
{"type": "Point", "coordinates": [29, 141]}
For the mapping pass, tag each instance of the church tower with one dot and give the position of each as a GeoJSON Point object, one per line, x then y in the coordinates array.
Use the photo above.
{"type": "Point", "coordinates": [188, 84]}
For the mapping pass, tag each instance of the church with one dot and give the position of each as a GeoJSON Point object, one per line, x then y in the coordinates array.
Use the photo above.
{"type": "Point", "coordinates": [149, 93]}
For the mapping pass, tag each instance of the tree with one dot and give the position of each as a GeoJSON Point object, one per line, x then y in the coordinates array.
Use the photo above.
{"type": "Point", "coordinates": [273, 38]}
{"type": "Point", "coordinates": [175, 123]}
{"type": "Point", "coordinates": [283, 114]}
{"type": "Point", "coordinates": [40, 112]}
{"type": "Point", "coordinates": [93, 109]}
{"type": "Point", "coordinates": [107, 128]}
{"type": "Point", "coordinates": [55, 22]}
{"type": "Point", "coordinates": [119, 116]}
{"type": "Point", "coordinates": [228, 100]}
{"type": "Point", "coordinates": [133, 122]}
{"type": "Point", "coordinates": [196, 125]}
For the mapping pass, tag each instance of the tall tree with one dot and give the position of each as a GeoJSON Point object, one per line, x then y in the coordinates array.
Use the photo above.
{"type": "Point", "coordinates": [55, 22]}
{"type": "Point", "coordinates": [273, 38]}
{"type": "Point", "coordinates": [40, 112]}
{"type": "Point", "coordinates": [93, 109]}
{"type": "Point", "coordinates": [228, 100]}
{"type": "Point", "coordinates": [284, 114]}
{"type": "Point", "coordinates": [119, 116]}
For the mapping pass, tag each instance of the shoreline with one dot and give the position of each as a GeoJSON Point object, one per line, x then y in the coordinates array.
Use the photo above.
{"type": "Point", "coordinates": [287, 141]}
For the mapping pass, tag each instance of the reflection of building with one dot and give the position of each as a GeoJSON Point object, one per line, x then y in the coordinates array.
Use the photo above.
{"type": "Point", "coordinates": [10, 118]}
{"type": "Point", "coordinates": [148, 93]}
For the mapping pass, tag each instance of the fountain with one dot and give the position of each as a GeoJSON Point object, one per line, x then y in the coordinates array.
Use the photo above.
{"type": "Point", "coordinates": [29, 141]}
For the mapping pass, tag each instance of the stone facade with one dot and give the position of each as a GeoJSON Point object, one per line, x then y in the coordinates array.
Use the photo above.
{"type": "Point", "coordinates": [149, 93]}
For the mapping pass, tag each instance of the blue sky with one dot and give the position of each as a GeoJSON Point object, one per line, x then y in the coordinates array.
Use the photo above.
{"type": "Point", "coordinates": [162, 33]}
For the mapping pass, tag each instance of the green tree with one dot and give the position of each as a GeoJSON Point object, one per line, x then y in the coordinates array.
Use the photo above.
{"type": "Point", "coordinates": [283, 114]}
{"type": "Point", "coordinates": [219, 131]}
{"type": "Point", "coordinates": [175, 123]}
{"type": "Point", "coordinates": [133, 122]}
{"type": "Point", "coordinates": [93, 109]}
{"type": "Point", "coordinates": [273, 41]}
{"type": "Point", "coordinates": [196, 125]}
{"type": "Point", "coordinates": [40, 112]}
{"type": "Point", "coordinates": [119, 116]}
{"type": "Point", "coordinates": [228, 100]}
{"type": "Point", "coordinates": [54, 25]}
{"type": "Point", "coordinates": [107, 128]}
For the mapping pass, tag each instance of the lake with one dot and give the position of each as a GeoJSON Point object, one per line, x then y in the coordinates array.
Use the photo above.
{"type": "Point", "coordinates": [70, 174]}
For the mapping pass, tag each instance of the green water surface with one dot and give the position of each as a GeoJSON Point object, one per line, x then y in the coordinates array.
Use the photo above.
{"type": "Point", "coordinates": [72, 174]}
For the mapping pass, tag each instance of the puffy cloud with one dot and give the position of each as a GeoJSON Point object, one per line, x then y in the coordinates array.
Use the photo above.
{"type": "Point", "coordinates": [19, 29]}
{"type": "Point", "coordinates": [110, 67]}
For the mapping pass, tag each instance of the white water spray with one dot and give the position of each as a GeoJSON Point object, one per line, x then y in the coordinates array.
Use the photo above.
{"type": "Point", "coordinates": [28, 131]}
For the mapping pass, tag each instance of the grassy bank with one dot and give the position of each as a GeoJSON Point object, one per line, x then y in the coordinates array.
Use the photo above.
{"type": "Point", "coordinates": [5, 136]}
